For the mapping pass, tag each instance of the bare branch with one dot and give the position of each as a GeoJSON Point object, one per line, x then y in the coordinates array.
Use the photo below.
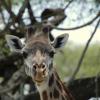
{"type": "Point", "coordinates": [68, 4]}
{"type": "Point", "coordinates": [57, 16]}
{"type": "Point", "coordinates": [21, 11]}
{"type": "Point", "coordinates": [58, 19]}
{"type": "Point", "coordinates": [83, 53]}
{"type": "Point", "coordinates": [3, 2]}
{"type": "Point", "coordinates": [32, 18]}
{"type": "Point", "coordinates": [81, 26]}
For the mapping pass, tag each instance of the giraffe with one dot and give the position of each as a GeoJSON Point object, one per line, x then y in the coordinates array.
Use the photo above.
{"type": "Point", "coordinates": [38, 53]}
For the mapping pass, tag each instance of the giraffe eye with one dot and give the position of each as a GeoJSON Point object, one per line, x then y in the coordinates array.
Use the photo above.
{"type": "Point", "coordinates": [34, 66]}
{"type": "Point", "coordinates": [51, 54]}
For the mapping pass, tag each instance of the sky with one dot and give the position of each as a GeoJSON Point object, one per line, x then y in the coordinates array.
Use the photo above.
{"type": "Point", "coordinates": [80, 36]}
{"type": "Point", "coordinates": [75, 17]}
{"type": "Point", "coordinates": [78, 14]}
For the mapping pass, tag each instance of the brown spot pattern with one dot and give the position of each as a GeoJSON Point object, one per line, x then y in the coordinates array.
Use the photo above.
{"type": "Point", "coordinates": [44, 94]}
{"type": "Point", "coordinates": [50, 94]}
{"type": "Point", "coordinates": [56, 93]}
{"type": "Point", "coordinates": [56, 74]}
{"type": "Point", "coordinates": [63, 98]}
{"type": "Point", "coordinates": [51, 80]}
{"type": "Point", "coordinates": [59, 85]}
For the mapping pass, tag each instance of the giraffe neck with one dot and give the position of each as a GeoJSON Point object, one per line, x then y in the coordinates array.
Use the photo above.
{"type": "Point", "coordinates": [54, 89]}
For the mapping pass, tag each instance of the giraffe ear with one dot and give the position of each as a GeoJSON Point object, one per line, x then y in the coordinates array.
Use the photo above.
{"type": "Point", "coordinates": [14, 43]}
{"type": "Point", "coordinates": [60, 41]}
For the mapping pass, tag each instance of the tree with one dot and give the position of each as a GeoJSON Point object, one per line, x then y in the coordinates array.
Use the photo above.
{"type": "Point", "coordinates": [15, 24]}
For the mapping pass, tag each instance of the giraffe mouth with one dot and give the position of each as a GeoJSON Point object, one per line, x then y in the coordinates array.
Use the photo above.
{"type": "Point", "coordinates": [38, 81]}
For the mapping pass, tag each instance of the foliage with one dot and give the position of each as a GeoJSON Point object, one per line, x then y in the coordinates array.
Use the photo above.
{"type": "Point", "coordinates": [3, 46]}
{"type": "Point", "coordinates": [67, 61]}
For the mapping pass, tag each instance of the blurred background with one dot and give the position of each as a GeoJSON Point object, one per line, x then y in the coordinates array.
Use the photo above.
{"type": "Point", "coordinates": [80, 58]}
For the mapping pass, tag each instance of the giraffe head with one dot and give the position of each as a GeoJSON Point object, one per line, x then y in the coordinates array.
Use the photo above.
{"type": "Point", "coordinates": [38, 52]}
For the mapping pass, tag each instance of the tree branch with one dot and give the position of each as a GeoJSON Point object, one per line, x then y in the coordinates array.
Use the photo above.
{"type": "Point", "coordinates": [21, 11]}
{"type": "Point", "coordinates": [68, 4]}
{"type": "Point", "coordinates": [32, 18]}
{"type": "Point", "coordinates": [57, 15]}
{"type": "Point", "coordinates": [3, 2]}
{"type": "Point", "coordinates": [83, 53]}
{"type": "Point", "coordinates": [81, 26]}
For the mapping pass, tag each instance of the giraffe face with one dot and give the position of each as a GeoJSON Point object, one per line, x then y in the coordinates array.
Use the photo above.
{"type": "Point", "coordinates": [39, 61]}
{"type": "Point", "coordinates": [38, 52]}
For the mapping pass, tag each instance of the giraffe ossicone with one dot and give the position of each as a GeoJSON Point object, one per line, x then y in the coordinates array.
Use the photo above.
{"type": "Point", "coordinates": [38, 53]}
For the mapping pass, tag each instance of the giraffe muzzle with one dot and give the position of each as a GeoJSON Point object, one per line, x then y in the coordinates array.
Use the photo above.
{"type": "Point", "coordinates": [40, 72]}
{"type": "Point", "coordinates": [40, 75]}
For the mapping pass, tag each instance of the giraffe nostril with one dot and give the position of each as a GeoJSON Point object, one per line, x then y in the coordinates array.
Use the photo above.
{"type": "Point", "coordinates": [43, 66]}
